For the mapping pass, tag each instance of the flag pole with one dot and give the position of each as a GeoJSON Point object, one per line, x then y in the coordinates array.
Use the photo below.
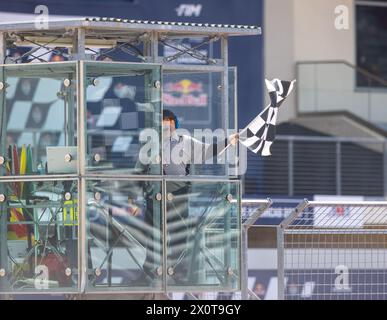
{"type": "Point", "coordinates": [224, 149]}
{"type": "Point", "coordinates": [243, 130]}
{"type": "Point", "coordinates": [229, 144]}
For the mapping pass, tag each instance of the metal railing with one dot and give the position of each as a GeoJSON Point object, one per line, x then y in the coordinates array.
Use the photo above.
{"type": "Point", "coordinates": [302, 166]}
{"type": "Point", "coordinates": [333, 250]}
{"type": "Point", "coordinates": [248, 220]}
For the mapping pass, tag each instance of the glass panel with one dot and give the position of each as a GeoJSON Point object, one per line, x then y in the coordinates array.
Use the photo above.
{"type": "Point", "coordinates": [232, 98]}
{"type": "Point", "coordinates": [124, 235]}
{"type": "Point", "coordinates": [122, 101]}
{"type": "Point", "coordinates": [39, 236]}
{"type": "Point", "coordinates": [197, 100]}
{"type": "Point", "coordinates": [235, 157]}
{"type": "Point", "coordinates": [203, 235]}
{"type": "Point", "coordinates": [39, 119]}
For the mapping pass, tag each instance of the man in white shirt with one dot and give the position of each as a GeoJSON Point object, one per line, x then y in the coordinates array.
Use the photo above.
{"type": "Point", "coordinates": [180, 153]}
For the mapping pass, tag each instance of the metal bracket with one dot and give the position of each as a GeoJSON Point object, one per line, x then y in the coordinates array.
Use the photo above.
{"type": "Point", "coordinates": [255, 216]}
{"type": "Point", "coordinates": [68, 157]}
{"type": "Point", "coordinates": [169, 196]}
{"type": "Point", "coordinates": [67, 82]}
{"type": "Point", "coordinates": [229, 198]}
{"type": "Point", "coordinates": [97, 158]}
{"type": "Point", "coordinates": [294, 214]}
{"type": "Point", "coordinates": [68, 272]}
{"type": "Point", "coordinates": [170, 271]}
{"type": "Point", "coordinates": [159, 196]}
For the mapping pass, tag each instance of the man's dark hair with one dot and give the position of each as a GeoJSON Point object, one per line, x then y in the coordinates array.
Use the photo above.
{"type": "Point", "coordinates": [169, 115]}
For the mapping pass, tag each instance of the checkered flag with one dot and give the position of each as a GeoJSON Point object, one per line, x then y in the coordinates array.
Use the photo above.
{"type": "Point", "coordinates": [259, 135]}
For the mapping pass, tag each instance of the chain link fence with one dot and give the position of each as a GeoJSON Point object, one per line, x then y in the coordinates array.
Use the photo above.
{"type": "Point", "coordinates": [333, 251]}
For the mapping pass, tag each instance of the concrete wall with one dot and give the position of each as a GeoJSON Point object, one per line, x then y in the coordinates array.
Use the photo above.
{"type": "Point", "coordinates": [316, 37]}
{"type": "Point", "coordinates": [279, 47]}
{"type": "Point", "coordinates": [304, 30]}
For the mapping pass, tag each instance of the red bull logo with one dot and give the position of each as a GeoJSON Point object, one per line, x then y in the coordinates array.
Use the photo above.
{"type": "Point", "coordinates": [184, 93]}
{"type": "Point", "coordinates": [184, 86]}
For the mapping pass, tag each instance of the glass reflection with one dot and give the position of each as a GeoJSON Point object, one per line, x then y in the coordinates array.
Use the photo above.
{"type": "Point", "coordinates": [203, 231]}
{"type": "Point", "coordinates": [124, 234]}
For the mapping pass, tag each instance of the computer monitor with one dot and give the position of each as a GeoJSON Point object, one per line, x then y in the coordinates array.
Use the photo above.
{"type": "Point", "coordinates": [56, 159]}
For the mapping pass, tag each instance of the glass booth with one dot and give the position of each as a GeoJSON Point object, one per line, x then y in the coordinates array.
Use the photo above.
{"type": "Point", "coordinates": [79, 211]}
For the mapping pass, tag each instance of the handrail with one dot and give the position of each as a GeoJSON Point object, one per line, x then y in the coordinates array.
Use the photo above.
{"type": "Point", "coordinates": [359, 69]}
{"type": "Point", "coordinates": [280, 137]}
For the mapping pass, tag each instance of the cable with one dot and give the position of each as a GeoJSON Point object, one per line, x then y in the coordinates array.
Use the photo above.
{"type": "Point", "coordinates": [11, 257]}
{"type": "Point", "coordinates": [3, 101]}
